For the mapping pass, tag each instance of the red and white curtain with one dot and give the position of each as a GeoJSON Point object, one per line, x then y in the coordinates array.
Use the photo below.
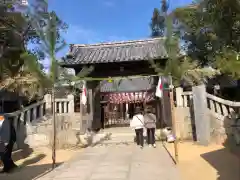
{"type": "Point", "coordinates": [132, 97]}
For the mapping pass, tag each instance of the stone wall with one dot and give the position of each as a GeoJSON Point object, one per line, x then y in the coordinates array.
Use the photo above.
{"type": "Point", "coordinates": [184, 125]}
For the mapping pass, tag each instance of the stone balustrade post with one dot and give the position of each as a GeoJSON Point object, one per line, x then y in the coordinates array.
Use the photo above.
{"type": "Point", "coordinates": [60, 104]}
{"type": "Point", "coordinates": [65, 107]}
{"type": "Point", "coordinates": [22, 116]}
{"type": "Point", "coordinates": [185, 101]}
{"type": "Point", "coordinates": [225, 109]}
{"type": "Point", "coordinates": [34, 116]}
{"type": "Point", "coordinates": [41, 106]}
{"type": "Point", "coordinates": [212, 106]}
{"type": "Point", "coordinates": [179, 98]}
{"type": "Point", "coordinates": [71, 103]}
{"type": "Point", "coordinates": [28, 116]}
{"type": "Point", "coordinates": [48, 100]}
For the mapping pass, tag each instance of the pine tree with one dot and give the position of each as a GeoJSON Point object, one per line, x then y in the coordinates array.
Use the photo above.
{"type": "Point", "coordinates": [157, 24]}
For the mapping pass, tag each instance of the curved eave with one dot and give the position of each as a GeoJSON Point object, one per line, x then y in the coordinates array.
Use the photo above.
{"type": "Point", "coordinates": [72, 65]}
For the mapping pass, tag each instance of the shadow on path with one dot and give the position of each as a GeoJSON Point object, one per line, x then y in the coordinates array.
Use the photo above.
{"type": "Point", "coordinates": [226, 164]}
{"type": "Point", "coordinates": [28, 172]}
{"type": "Point", "coordinates": [227, 160]}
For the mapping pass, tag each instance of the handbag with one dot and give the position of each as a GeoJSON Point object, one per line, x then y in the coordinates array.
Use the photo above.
{"type": "Point", "coordinates": [144, 127]}
{"type": "Point", "coordinates": [141, 122]}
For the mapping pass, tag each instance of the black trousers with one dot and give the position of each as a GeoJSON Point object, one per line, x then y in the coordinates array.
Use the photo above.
{"type": "Point", "coordinates": [6, 157]}
{"type": "Point", "coordinates": [151, 136]}
{"type": "Point", "coordinates": [139, 136]}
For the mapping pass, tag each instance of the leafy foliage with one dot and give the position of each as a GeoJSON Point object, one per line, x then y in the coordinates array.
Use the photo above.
{"type": "Point", "coordinates": [20, 70]}
{"type": "Point", "coordinates": [39, 8]}
{"type": "Point", "coordinates": [183, 68]}
{"type": "Point", "coordinates": [211, 31]}
{"type": "Point", "coordinates": [15, 72]}
{"type": "Point", "coordinates": [157, 24]}
{"type": "Point", "coordinates": [227, 61]}
{"type": "Point", "coordinates": [50, 42]}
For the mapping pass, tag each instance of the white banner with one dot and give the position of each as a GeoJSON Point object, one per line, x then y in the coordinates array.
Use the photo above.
{"type": "Point", "coordinates": [84, 94]}
{"type": "Point", "coordinates": [159, 88]}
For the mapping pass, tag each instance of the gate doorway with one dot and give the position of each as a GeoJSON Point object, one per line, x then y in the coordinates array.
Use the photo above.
{"type": "Point", "coordinates": [118, 111]}
{"type": "Point", "coordinates": [115, 115]}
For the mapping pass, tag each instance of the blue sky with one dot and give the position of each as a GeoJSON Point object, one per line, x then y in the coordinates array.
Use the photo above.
{"type": "Point", "coordinates": [92, 21]}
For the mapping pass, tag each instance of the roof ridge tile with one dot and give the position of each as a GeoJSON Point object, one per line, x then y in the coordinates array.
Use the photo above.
{"type": "Point", "coordinates": [117, 43]}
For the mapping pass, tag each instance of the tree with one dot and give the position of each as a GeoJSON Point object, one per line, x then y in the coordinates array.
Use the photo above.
{"type": "Point", "coordinates": [18, 69]}
{"type": "Point", "coordinates": [38, 7]}
{"type": "Point", "coordinates": [211, 32]}
{"type": "Point", "coordinates": [50, 44]}
{"type": "Point", "coordinates": [157, 24]}
{"type": "Point", "coordinates": [181, 67]}
{"type": "Point", "coordinates": [17, 31]}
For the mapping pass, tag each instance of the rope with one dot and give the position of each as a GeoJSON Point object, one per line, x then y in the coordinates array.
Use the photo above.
{"type": "Point", "coordinates": [113, 78]}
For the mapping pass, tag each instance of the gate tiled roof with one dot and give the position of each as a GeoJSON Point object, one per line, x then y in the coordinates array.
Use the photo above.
{"type": "Point", "coordinates": [137, 50]}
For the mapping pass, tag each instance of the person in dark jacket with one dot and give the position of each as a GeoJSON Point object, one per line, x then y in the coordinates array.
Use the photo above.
{"type": "Point", "coordinates": [7, 140]}
{"type": "Point", "coordinates": [150, 123]}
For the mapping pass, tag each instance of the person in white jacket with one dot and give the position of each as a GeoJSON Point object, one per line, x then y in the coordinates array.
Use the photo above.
{"type": "Point", "coordinates": [137, 123]}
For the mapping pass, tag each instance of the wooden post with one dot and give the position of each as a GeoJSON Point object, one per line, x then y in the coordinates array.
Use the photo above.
{"type": "Point", "coordinates": [173, 121]}
{"type": "Point", "coordinates": [81, 113]}
{"type": "Point", "coordinates": [54, 129]}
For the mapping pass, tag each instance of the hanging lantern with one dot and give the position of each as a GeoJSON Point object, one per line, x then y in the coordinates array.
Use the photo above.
{"type": "Point", "coordinates": [110, 80]}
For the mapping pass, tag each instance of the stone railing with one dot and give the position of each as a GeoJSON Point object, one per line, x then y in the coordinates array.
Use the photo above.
{"type": "Point", "coordinates": [222, 115]}
{"type": "Point", "coordinates": [62, 105]}
{"type": "Point", "coordinates": [221, 108]}
{"type": "Point", "coordinates": [26, 116]}
{"type": "Point", "coordinates": [183, 98]}
{"type": "Point", "coordinates": [218, 106]}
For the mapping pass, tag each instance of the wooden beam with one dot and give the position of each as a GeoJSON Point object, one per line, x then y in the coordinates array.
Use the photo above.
{"type": "Point", "coordinates": [120, 68]}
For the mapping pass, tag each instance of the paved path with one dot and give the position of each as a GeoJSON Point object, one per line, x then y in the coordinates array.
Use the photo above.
{"type": "Point", "coordinates": [118, 162]}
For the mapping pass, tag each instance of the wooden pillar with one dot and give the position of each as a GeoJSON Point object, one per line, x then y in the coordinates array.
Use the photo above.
{"type": "Point", "coordinates": [158, 112]}
{"type": "Point", "coordinates": [121, 111]}
{"type": "Point", "coordinates": [127, 112]}
{"type": "Point", "coordinates": [95, 105]}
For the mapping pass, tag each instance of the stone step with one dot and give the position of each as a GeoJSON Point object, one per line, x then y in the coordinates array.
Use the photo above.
{"type": "Point", "coordinates": [119, 138]}
{"type": "Point", "coordinates": [127, 137]}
